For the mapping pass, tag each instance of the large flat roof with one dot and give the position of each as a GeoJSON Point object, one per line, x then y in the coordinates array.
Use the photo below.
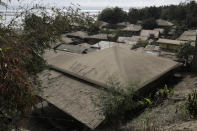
{"type": "Point", "coordinates": [72, 96]}
{"type": "Point", "coordinates": [126, 65]}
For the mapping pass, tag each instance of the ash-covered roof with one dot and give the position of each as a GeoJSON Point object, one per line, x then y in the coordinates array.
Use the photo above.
{"type": "Point", "coordinates": [132, 28]}
{"type": "Point", "coordinates": [172, 42]}
{"type": "Point", "coordinates": [164, 23]}
{"type": "Point", "coordinates": [189, 35]}
{"type": "Point", "coordinates": [108, 44]}
{"type": "Point", "coordinates": [128, 66]}
{"type": "Point", "coordinates": [133, 39]}
{"type": "Point", "coordinates": [72, 96]}
{"type": "Point", "coordinates": [72, 93]}
{"type": "Point", "coordinates": [148, 33]}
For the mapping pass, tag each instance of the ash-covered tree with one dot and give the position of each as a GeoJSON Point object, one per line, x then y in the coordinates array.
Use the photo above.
{"type": "Point", "coordinates": [194, 62]}
{"type": "Point", "coordinates": [149, 23]}
{"type": "Point", "coordinates": [113, 15]}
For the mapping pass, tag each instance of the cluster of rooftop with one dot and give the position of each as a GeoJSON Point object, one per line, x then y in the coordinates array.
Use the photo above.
{"type": "Point", "coordinates": [83, 63]}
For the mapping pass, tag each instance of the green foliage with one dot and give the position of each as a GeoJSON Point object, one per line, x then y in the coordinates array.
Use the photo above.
{"type": "Point", "coordinates": [163, 93]}
{"type": "Point", "coordinates": [133, 16]}
{"type": "Point", "coordinates": [186, 50]}
{"type": "Point", "coordinates": [140, 43]}
{"type": "Point", "coordinates": [191, 104]}
{"type": "Point", "coordinates": [113, 15]}
{"type": "Point", "coordinates": [21, 56]}
{"type": "Point", "coordinates": [149, 23]}
{"type": "Point", "coordinates": [116, 100]}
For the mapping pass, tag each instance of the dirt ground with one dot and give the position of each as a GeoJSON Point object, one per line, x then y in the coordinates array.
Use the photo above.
{"type": "Point", "coordinates": [170, 115]}
{"type": "Point", "coordinates": [167, 116]}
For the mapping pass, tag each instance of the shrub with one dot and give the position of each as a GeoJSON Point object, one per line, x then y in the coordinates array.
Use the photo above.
{"type": "Point", "coordinates": [113, 15]}
{"type": "Point", "coordinates": [185, 52]}
{"type": "Point", "coordinates": [140, 43]}
{"type": "Point", "coordinates": [191, 104]}
{"type": "Point", "coordinates": [116, 100]}
{"type": "Point", "coordinates": [149, 23]}
{"type": "Point", "coordinates": [133, 16]}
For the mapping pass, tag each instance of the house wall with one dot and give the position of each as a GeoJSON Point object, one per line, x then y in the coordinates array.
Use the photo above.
{"type": "Point", "coordinates": [169, 46]}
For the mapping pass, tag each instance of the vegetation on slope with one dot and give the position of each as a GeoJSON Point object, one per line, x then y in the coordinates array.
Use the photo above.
{"type": "Point", "coordinates": [182, 14]}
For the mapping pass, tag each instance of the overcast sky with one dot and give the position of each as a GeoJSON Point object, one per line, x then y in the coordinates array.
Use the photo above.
{"type": "Point", "coordinates": [98, 3]}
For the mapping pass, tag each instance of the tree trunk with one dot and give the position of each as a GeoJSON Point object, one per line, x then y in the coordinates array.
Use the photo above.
{"type": "Point", "coordinates": [194, 63]}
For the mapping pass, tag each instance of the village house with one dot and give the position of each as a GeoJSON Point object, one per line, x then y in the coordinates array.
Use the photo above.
{"type": "Point", "coordinates": [131, 30]}
{"type": "Point", "coordinates": [74, 80]}
{"type": "Point", "coordinates": [107, 44]}
{"type": "Point", "coordinates": [153, 34]}
{"type": "Point", "coordinates": [164, 23]}
{"type": "Point", "coordinates": [123, 24]}
{"type": "Point", "coordinates": [92, 39]}
{"type": "Point", "coordinates": [79, 49]}
{"type": "Point", "coordinates": [168, 44]}
{"type": "Point", "coordinates": [161, 30]}
{"type": "Point", "coordinates": [131, 40]}
{"type": "Point", "coordinates": [189, 35]}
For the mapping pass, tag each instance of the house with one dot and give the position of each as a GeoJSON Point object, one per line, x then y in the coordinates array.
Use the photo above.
{"type": "Point", "coordinates": [161, 30]}
{"type": "Point", "coordinates": [131, 40]}
{"type": "Point", "coordinates": [123, 24]}
{"type": "Point", "coordinates": [168, 44]}
{"type": "Point", "coordinates": [107, 44]}
{"type": "Point", "coordinates": [64, 39]}
{"type": "Point", "coordinates": [99, 37]}
{"type": "Point", "coordinates": [78, 35]}
{"type": "Point", "coordinates": [189, 35]}
{"type": "Point", "coordinates": [79, 49]}
{"type": "Point", "coordinates": [76, 79]}
{"type": "Point", "coordinates": [150, 33]}
{"type": "Point", "coordinates": [164, 23]}
{"type": "Point", "coordinates": [131, 30]}
{"type": "Point", "coordinates": [152, 49]}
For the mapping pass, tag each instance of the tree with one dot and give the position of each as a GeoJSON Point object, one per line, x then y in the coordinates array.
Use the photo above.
{"type": "Point", "coordinates": [113, 15]}
{"type": "Point", "coordinates": [133, 16]}
{"type": "Point", "coordinates": [149, 23]}
{"type": "Point", "coordinates": [186, 50]}
{"type": "Point", "coordinates": [194, 63]}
